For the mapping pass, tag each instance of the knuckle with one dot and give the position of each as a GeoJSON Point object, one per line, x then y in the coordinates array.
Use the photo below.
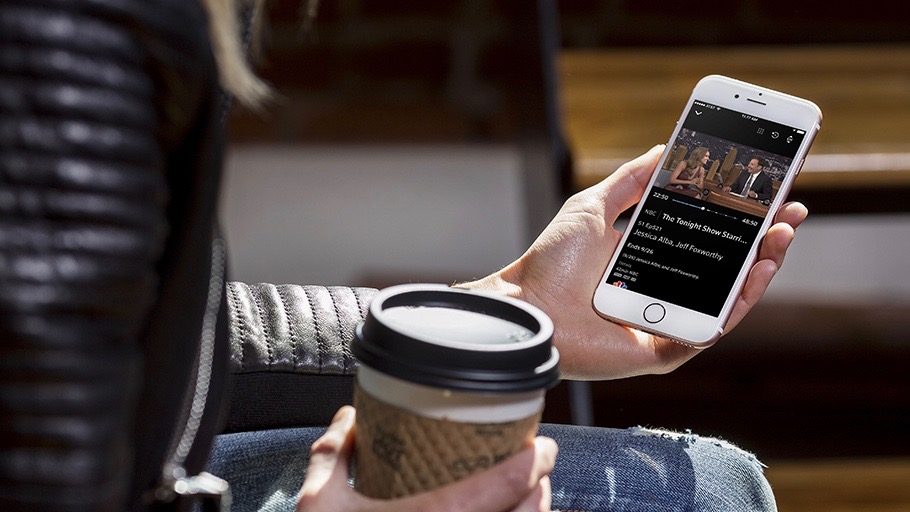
{"type": "Point", "coordinates": [327, 444]}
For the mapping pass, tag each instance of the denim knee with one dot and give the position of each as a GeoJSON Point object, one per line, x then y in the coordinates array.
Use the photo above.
{"type": "Point", "coordinates": [727, 478]}
{"type": "Point", "coordinates": [639, 469]}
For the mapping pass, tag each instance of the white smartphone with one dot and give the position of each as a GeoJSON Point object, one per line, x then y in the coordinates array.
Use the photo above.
{"type": "Point", "coordinates": [694, 236]}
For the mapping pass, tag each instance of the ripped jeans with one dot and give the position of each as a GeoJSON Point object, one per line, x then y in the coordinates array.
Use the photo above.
{"type": "Point", "coordinates": [597, 470]}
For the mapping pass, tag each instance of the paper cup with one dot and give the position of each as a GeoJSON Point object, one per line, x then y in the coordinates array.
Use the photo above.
{"type": "Point", "coordinates": [451, 382]}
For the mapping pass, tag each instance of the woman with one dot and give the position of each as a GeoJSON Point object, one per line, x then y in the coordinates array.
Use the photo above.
{"type": "Point", "coordinates": [689, 175]}
{"type": "Point", "coordinates": [115, 311]}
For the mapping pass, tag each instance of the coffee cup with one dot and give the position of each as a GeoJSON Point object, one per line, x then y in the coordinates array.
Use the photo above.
{"type": "Point", "coordinates": [451, 382]}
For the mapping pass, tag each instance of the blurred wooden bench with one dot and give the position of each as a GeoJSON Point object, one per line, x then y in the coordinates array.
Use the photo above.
{"type": "Point", "coordinates": [617, 103]}
{"type": "Point", "coordinates": [865, 485]}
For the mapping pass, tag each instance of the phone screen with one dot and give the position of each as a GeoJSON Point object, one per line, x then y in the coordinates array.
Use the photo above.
{"type": "Point", "coordinates": [690, 240]}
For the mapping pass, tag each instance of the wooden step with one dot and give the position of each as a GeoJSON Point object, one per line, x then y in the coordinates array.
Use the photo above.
{"type": "Point", "coordinates": [617, 103]}
{"type": "Point", "coordinates": [842, 485]}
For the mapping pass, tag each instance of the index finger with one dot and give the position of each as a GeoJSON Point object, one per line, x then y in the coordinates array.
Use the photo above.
{"type": "Point", "coordinates": [330, 454]}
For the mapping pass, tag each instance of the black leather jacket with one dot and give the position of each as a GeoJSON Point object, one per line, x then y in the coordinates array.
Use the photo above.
{"type": "Point", "coordinates": [116, 331]}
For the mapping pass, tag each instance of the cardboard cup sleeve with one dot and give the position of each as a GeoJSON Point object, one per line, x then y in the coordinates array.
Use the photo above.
{"type": "Point", "coordinates": [400, 453]}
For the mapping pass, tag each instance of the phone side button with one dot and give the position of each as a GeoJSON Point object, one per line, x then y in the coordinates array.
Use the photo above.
{"type": "Point", "coordinates": [654, 313]}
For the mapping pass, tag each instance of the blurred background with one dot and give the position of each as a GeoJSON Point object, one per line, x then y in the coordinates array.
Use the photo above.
{"type": "Point", "coordinates": [415, 141]}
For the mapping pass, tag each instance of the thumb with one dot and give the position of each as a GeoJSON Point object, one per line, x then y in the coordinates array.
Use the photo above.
{"type": "Point", "coordinates": [626, 185]}
{"type": "Point", "coordinates": [330, 455]}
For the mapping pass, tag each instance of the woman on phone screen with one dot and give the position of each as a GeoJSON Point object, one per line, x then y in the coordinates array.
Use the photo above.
{"type": "Point", "coordinates": [689, 175]}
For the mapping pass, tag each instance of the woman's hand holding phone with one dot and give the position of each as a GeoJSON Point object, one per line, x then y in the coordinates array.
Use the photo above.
{"type": "Point", "coordinates": [561, 270]}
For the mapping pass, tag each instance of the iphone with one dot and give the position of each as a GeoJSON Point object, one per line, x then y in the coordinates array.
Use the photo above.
{"type": "Point", "coordinates": [694, 236]}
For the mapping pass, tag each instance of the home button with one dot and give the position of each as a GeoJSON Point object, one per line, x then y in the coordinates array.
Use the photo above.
{"type": "Point", "coordinates": [654, 313]}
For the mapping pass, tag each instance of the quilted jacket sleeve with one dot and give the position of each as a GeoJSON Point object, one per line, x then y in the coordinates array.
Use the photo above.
{"type": "Point", "coordinates": [290, 352]}
{"type": "Point", "coordinates": [82, 219]}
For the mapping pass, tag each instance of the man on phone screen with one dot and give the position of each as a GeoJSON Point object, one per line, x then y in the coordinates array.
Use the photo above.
{"type": "Point", "coordinates": [753, 182]}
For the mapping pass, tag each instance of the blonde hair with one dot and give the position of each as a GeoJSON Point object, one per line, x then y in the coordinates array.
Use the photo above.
{"type": "Point", "coordinates": [234, 71]}
{"type": "Point", "coordinates": [694, 160]}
